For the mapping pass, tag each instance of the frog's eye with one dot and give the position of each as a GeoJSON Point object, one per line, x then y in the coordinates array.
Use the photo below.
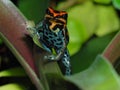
{"type": "Point", "coordinates": [48, 12]}
{"type": "Point", "coordinates": [65, 16]}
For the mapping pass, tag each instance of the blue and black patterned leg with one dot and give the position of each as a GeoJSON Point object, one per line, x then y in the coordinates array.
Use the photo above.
{"type": "Point", "coordinates": [66, 63]}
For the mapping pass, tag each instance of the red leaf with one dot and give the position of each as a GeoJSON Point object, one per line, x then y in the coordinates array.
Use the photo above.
{"type": "Point", "coordinates": [13, 30]}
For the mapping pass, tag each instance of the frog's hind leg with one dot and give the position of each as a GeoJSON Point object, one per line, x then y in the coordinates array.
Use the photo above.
{"type": "Point", "coordinates": [64, 63]}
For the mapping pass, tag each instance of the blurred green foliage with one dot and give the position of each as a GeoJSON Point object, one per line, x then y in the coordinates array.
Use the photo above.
{"type": "Point", "coordinates": [14, 72]}
{"type": "Point", "coordinates": [78, 15]}
{"type": "Point", "coordinates": [116, 3]}
{"type": "Point", "coordinates": [86, 56]}
{"type": "Point", "coordinates": [99, 76]}
{"type": "Point", "coordinates": [108, 20]}
{"type": "Point", "coordinates": [91, 19]}
{"type": "Point", "coordinates": [103, 1]}
{"type": "Point", "coordinates": [33, 9]}
{"type": "Point", "coordinates": [13, 86]}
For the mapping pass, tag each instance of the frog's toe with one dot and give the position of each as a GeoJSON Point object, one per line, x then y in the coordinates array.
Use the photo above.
{"type": "Point", "coordinates": [50, 57]}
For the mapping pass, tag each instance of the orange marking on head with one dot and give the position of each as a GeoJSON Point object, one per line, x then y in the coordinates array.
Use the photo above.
{"type": "Point", "coordinates": [51, 10]}
{"type": "Point", "coordinates": [55, 13]}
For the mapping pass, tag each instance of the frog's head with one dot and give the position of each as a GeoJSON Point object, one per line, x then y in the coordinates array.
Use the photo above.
{"type": "Point", "coordinates": [56, 19]}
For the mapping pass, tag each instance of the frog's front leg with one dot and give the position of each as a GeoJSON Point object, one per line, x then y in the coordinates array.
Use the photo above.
{"type": "Point", "coordinates": [59, 54]}
{"type": "Point", "coordinates": [31, 29]}
{"type": "Point", "coordinates": [35, 33]}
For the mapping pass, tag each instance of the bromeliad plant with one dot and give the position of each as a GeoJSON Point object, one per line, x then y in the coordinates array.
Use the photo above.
{"type": "Point", "coordinates": [47, 76]}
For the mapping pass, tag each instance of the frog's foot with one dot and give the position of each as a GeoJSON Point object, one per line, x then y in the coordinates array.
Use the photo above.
{"type": "Point", "coordinates": [30, 24]}
{"type": "Point", "coordinates": [31, 29]}
{"type": "Point", "coordinates": [50, 58]}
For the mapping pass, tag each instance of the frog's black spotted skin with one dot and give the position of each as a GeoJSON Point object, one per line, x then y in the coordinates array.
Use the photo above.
{"type": "Point", "coordinates": [54, 35]}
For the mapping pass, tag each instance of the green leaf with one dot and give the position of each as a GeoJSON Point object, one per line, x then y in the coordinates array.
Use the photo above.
{"type": "Point", "coordinates": [107, 20]}
{"type": "Point", "coordinates": [81, 24]}
{"type": "Point", "coordinates": [13, 86]}
{"type": "Point", "coordinates": [99, 76]}
{"type": "Point", "coordinates": [89, 51]}
{"type": "Point", "coordinates": [116, 3]}
{"type": "Point", "coordinates": [33, 9]}
{"type": "Point", "coordinates": [103, 1]}
{"type": "Point", "coordinates": [85, 14]}
{"type": "Point", "coordinates": [13, 72]}
{"type": "Point", "coordinates": [76, 33]}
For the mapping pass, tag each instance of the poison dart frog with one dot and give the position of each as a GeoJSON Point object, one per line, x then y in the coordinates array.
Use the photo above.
{"type": "Point", "coordinates": [52, 33]}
